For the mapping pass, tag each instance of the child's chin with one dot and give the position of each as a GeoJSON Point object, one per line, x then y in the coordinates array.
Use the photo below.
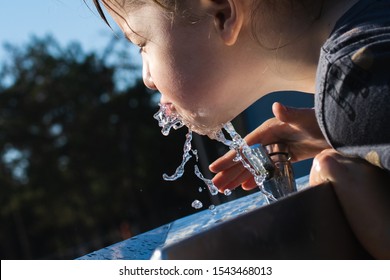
{"type": "Point", "coordinates": [209, 131]}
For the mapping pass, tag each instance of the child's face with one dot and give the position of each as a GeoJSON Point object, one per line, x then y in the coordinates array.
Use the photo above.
{"type": "Point", "coordinates": [187, 63]}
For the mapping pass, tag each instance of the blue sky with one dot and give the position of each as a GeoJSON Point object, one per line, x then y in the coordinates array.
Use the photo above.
{"type": "Point", "coordinates": [66, 20]}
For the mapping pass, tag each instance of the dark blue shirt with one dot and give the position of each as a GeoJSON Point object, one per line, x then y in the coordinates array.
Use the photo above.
{"type": "Point", "coordinates": [353, 83]}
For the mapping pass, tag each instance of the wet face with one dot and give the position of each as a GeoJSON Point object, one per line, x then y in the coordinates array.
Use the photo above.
{"type": "Point", "coordinates": [185, 59]}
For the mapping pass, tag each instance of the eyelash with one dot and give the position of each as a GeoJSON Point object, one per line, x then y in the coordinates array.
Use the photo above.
{"type": "Point", "coordinates": [141, 47]}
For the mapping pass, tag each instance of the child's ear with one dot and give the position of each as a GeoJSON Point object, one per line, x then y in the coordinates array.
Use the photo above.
{"type": "Point", "coordinates": [229, 18]}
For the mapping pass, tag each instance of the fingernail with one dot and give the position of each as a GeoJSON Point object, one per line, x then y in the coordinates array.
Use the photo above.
{"type": "Point", "coordinates": [316, 165]}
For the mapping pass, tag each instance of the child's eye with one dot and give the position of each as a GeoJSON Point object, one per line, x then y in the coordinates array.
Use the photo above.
{"type": "Point", "coordinates": [141, 47]}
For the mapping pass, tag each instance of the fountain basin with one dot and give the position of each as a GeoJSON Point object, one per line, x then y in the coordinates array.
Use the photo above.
{"type": "Point", "coordinates": [308, 224]}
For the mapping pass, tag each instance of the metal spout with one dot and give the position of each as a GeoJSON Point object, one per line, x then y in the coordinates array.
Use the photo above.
{"type": "Point", "coordinates": [258, 158]}
{"type": "Point", "coordinates": [282, 182]}
{"type": "Point", "coordinates": [273, 163]}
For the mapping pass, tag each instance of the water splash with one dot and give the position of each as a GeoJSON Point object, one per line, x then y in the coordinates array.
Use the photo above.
{"type": "Point", "coordinates": [186, 157]}
{"type": "Point", "coordinates": [212, 188]}
{"type": "Point", "coordinates": [167, 119]}
{"type": "Point", "coordinates": [238, 144]}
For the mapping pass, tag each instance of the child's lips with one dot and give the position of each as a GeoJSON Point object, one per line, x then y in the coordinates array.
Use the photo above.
{"type": "Point", "coordinates": [169, 108]}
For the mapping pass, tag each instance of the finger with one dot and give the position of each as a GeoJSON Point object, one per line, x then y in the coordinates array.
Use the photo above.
{"type": "Point", "coordinates": [266, 133]}
{"type": "Point", "coordinates": [293, 116]}
{"type": "Point", "coordinates": [302, 119]}
{"type": "Point", "coordinates": [327, 167]}
{"type": "Point", "coordinates": [239, 180]}
{"type": "Point", "coordinates": [224, 162]}
{"type": "Point", "coordinates": [248, 185]}
{"type": "Point", "coordinates": [230, 178]}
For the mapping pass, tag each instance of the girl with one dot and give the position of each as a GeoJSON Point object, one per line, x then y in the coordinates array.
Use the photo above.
{"type": "Point", "coordinates": [211, 59]}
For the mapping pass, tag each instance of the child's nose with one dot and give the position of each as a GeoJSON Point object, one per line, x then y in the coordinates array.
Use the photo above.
{"type": "Point", "coordinates": [148, 81]}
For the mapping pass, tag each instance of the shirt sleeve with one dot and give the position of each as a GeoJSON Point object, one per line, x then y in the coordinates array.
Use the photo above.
{"type": "Point", "coordinates": [353, 106]}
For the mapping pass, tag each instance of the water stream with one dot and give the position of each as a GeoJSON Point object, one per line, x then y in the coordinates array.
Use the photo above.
{"type": "Point", "coordinates": [168, 120]}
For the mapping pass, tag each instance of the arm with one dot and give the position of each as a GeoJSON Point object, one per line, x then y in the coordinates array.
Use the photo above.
{"type": "Point", "coordinates": [364, 193]}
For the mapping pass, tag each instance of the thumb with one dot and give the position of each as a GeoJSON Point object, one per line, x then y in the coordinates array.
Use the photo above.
{"type": "Point", "coordinates": [293, 116]}
{"type": "Point", "coordinates": [327, 167]}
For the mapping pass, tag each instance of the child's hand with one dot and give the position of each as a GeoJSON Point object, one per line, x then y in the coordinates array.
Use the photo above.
{"type": "Point", "coordinates": [297, 128]}
{"type": "Point", "coordinates": [364, 194]}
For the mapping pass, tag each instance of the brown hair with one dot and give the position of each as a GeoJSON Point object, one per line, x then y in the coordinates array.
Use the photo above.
{"type": "Point", "coordinates": [268, 10]}
{"type": "Point", "coordinates": [169, 5]}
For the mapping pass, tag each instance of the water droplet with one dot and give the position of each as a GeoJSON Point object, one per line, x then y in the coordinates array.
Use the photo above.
{"type": "Point", "coordinates": [227, 192]}
{"type": "Point", "coordinates": [197, 204]}
{"type": "Point", "coordinates": [195, 153]}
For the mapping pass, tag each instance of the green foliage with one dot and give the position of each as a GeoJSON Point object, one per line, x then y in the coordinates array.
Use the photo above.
{"type": "Point", "coordinates": [80, 160]}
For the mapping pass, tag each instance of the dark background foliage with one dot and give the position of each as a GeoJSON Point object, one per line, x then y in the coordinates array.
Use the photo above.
{"type": "Point", "coordinates": [81, 157]}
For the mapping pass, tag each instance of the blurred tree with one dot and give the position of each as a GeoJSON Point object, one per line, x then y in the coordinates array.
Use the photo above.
{"type": "Point", "coordinates": [81, 159]}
